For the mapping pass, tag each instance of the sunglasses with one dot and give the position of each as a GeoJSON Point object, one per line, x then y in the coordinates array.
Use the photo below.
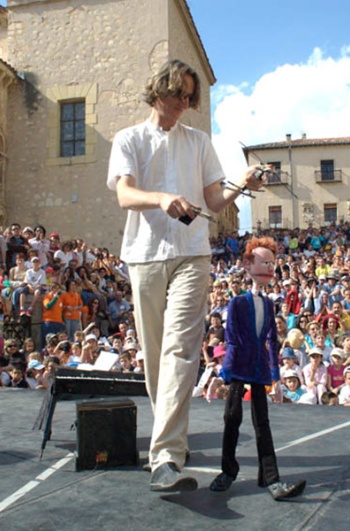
{"type": "Point", "coordinates": [183, 95]}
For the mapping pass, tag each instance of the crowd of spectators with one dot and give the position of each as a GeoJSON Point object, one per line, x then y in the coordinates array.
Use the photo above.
{"type": "Point", "coordinates": [82, 298]}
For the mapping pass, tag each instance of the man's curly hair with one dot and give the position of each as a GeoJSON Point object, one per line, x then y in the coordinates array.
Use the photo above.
{"type": "Point", "coordinates": [169, 80]}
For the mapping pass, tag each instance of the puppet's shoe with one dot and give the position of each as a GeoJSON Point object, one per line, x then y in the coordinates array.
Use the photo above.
{"type": "Point", "coordinates": [221, 483]}
{"type": "Point", "coordinates": [281, 491]}
{"type": "Point", "coordinates": [168, 478]}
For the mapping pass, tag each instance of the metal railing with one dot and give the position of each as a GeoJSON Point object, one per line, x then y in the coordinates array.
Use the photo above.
{"type": "Point", "coordinates": [332, 176]}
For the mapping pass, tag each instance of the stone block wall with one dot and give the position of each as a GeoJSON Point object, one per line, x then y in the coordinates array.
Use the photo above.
{"type": "Point", "coordinates": [104, 50]}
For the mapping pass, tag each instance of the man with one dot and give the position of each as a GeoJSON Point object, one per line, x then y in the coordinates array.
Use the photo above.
{"type": "Point", "coordinates": [250, 326]}
{"type": "Point", "coordinates": [344, 318]}
{"type": "Point", "coordinates": [52, 312]}
{"type": "Point", "coordinates": [16, 243]}
{"type": "Point", "coordinates": [163, 172]}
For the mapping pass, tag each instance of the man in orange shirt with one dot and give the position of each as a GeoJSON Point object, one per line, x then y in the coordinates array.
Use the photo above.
{"type": "Point", "coordinates": [72, 308]}
{"type": "Point", "coordinates": [52, 312]}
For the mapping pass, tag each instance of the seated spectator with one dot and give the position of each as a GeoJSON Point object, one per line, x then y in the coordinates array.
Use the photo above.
{"type": "Point", "coordinates": [64, 352]}
{"type": "Point", "coordinates": [333, 287]}
{"type": "Point", "coordinates": [289, 360]}
{"type": "Point", "coordinates": [41, 245]}
{"type": "Point", "coordinates": [55, 245]}
{"type": "Point", "coordinates": [131, 348]}
{"type": "Point", "coordinates": [293, 302]}
{"type": "Point", "coordinates": [140, 366]}
{"type": "Point", "coordinates": [329, 399]}
{"type": "Point", "coordinates": [322, 267]}
{"type": "Point", "coordinates": [322, 305]}
{"type": "Point", "coordinates": [335, 376]}
{"type": "Point", "coordinates": [66, 253]}
{"type": "Point", "coordinates": [302, 324]}
{"type": "Point", "coordinates": [312, 330]}
{"type": "Point", "coordinates": [35, 284]}
{"type": "Point", "coordinates": [344, 394]}
{"type": "Point", "coordinates": [344, 318]}
{"type": "Point", "coordinates": [281, 326]}
{"type": "Point", "coordinates": [296, 340]}
{"type": "Point", "coordinates": [331, 328]}
{"type": "Point", "coordinates": [289, 317]}
{"type": "Point", "coordinates": [88, 289]}
{"type": "Point", "coordinates": [310, 293]}
{"type": "Point", "coordinates": [315, 375]}
{"type": "Point", "coordinates": [117, 308]}
{"type": "Point", "coordinates": [320, 342]}
{"type": "Point", "coordinates": [17, 377]}
{"type": "Point", "coordinates": [84, 255]}
{"type": "Point", "coordinates": [125, 362]}
{"type": "Point", "coordinates": [215, 328]}
{"type": "Point", "coordinates": [16, 243]}
{"type": "Point", "coordinates": [346, 300]}
{"type": "Point", "coordinates": [292, 387]}
{"type": "Point", "coordinates": [221, 308]}
{"type": "Point", "coordinates": [28, 347]}
{"type": "Point", "coordinates": [17, 273]}
{"type": "Point", "coordinates": [35, 374]}
{"type": "Point", "coordinates": [95, 314]}
{"type": "Point", "coordinates": [276, 296]}
{"type": "Point", "coordinates": [90, 351]}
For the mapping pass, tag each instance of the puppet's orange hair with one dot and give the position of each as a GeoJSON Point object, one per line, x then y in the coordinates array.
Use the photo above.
{"type": "Point", "coordinates": [253, 243]}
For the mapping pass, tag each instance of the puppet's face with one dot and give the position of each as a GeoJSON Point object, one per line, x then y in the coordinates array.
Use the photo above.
{"type": "Point", "coordinates": [261, 269]}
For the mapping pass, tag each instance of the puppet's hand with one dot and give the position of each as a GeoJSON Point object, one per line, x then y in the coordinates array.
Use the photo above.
{"type": "Point", "coordinates": [213, 387]}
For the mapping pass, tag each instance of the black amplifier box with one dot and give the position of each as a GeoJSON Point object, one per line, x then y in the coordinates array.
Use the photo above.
{"type": "Point", "coordinates": [106, 433]}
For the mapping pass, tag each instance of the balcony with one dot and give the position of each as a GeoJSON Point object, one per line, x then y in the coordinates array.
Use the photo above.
{"type": "Point", "coordinates": [332, 176]}
{"type": "Point", "coordinates": [277, 177]}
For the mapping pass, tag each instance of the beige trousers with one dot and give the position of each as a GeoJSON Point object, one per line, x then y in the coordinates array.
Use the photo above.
{"type": "Point", "coordinates": [170, 305]}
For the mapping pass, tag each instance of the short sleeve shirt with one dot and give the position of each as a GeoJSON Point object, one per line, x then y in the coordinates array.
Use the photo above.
{"type": "Point", "coordinates": [180, 161]}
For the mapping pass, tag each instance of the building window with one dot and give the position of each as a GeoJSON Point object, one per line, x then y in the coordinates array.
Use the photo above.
{"type": "Point", "coordinates": [327, 170]}
{"type": "Point", "coordinates": [330, 212]}
{"type": "Point", "coordinates": [72, 129]}
{"type": "Point", "coordinates": [274, 177]}
{"type": "Point", "coordinates": [275, 216]}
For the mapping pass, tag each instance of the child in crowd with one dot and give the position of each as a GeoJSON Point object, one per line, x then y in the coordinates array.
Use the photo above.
{"type": "Point", "coordinates": [329, 399]}
{"type": "Point", "coordinates": [292, 387]}
{"type": "Point", "coordinates": [125, 362]}
{"type": "Point", "coordinates": [320, 342]}
{"type": "Point", "coordinates": [315, 375]}
{"type": "Point", "coordinates": [17, 377]}
{"type": "Point", "coordinates": [289, 361]}
{"type": "Point", "coordinates": [344, 394]}
{"type": "Point", "coordinates": [335, 376]}
{"type": "Point", "coordinates": [35, 374]}
{"type": "Point", "coordinates": [140, 367]}
{"type": "Point", "coordinates": [28, 347]}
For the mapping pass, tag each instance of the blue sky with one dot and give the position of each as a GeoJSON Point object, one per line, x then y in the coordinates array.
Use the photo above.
{"type": "Point", "coordinates": [281, 67]}
{"type": "Point", "coordinates": [246, 38]}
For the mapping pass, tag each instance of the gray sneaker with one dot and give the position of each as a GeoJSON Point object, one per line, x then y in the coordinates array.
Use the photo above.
{"type": "Point", "coordinates": [282, 491]}
{"type": "Point", "coordinates": [168, 478]}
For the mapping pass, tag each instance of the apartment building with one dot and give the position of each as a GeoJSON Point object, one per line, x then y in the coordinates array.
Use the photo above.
{"type": "Point", "coordinates": [310, 183]}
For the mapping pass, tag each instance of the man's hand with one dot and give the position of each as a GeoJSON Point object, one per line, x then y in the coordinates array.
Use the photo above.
{"type": "Point", "coordinates": [176, 206]}
{"type": "Point", "coordinates": [252, 181]}
{"type": "Point", "coordinates": [213, 387]}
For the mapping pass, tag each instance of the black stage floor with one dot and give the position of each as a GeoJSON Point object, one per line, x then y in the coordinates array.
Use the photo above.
{"type": "Point", "coordinates": [312, 442]}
